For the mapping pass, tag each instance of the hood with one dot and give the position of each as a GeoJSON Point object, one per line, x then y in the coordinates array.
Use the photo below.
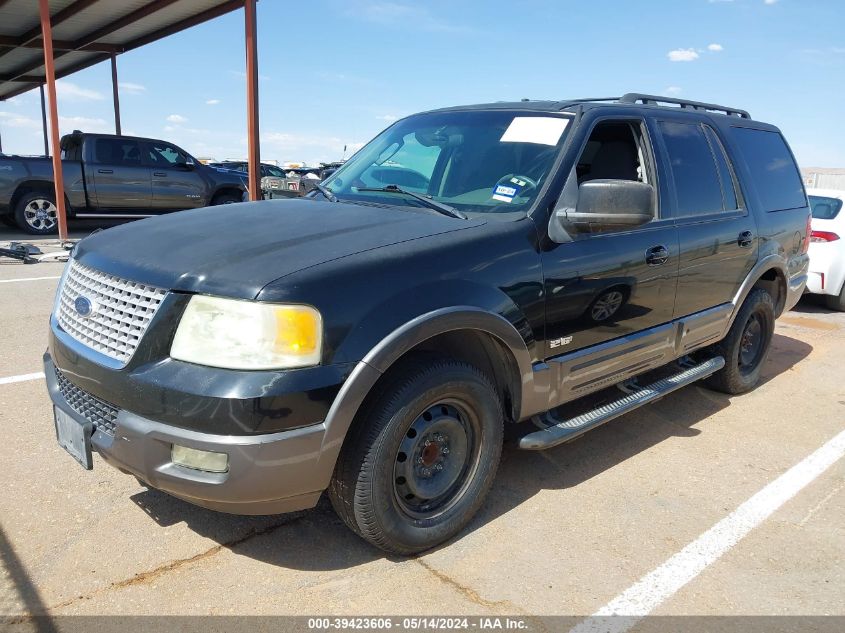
{"type": "Point", "coordinates": [234, 250]}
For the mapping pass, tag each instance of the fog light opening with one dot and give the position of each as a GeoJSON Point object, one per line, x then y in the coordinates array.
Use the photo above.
{"type": "Point", "coordinates": [195, 459]}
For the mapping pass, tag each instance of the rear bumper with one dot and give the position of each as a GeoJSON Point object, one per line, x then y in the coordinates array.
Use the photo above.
{"type": "Point", "coordinates": [827, 268]}
{"type": "Point", "coordinates": [268, 474]}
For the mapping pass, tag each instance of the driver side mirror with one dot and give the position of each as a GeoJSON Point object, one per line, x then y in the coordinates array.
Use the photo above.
{"type": "Point", "coordinates": [609, 204]}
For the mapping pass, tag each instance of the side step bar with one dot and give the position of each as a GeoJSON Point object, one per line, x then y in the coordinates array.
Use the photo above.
{"type": "Point", "coordinates": [570, 429]}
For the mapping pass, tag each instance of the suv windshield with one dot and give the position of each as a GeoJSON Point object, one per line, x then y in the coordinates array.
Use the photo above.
{"type": "Point", "coordinates": [474, 161]}
{"type": "Point", "coordinates": [825, 208]}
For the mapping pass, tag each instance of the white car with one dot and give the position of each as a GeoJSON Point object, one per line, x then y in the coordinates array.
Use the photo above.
{"type": "Point", "coordinates": [827, 246]}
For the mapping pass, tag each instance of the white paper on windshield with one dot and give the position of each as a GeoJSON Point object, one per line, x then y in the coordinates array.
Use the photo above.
{"type": "Point", "coordinates": [544, 130]}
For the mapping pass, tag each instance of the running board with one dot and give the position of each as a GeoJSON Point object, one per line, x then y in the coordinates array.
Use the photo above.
{"type": "Point", "coordinates": [570, 429]}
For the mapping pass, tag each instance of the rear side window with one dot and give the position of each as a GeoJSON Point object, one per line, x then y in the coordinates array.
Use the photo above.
{"type": "Point", "coordinates": [697, 185]}
{"type": "Point", "coordinates": [825, 208]}
{"type": "Point", "coordinates": [115, 151]}
{"type": "Point", "coordinates": [772, 167]}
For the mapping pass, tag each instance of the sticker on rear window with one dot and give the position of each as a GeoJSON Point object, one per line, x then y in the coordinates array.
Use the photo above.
{"type": "Point", "coordinates": [543, 130]}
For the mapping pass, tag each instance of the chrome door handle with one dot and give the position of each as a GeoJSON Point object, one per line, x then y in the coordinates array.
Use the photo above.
{"type": "Point", "coordinates": [657, 255]}
{"type": "Point", "coordinates": [745, 239]}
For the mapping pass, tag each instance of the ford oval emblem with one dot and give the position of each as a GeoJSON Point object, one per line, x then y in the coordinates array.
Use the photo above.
{"type": "Point", "coordinates": [83, 306]}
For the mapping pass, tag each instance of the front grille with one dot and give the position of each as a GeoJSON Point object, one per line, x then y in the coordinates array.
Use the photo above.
{"type": "Point", "coordinates": [101, 414]}
{"type": "Point", "coordinates": [121, 310]}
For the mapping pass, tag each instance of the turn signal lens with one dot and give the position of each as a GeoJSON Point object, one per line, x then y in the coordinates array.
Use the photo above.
{"type": "Point", "coordinates": [236, 334]}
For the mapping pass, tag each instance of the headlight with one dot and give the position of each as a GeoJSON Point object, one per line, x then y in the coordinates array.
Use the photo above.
{"type": "Point", "coordinates": [237, 334]}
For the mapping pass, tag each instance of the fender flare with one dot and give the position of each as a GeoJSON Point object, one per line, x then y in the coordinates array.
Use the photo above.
{"type": "Point", "coordinates": [769, 262]}
{"type": "Point", "coordinates": [379, 359]}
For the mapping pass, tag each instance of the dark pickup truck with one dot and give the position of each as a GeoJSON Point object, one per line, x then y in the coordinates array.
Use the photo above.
{"type": "Point", "coordinates": [111, 176]}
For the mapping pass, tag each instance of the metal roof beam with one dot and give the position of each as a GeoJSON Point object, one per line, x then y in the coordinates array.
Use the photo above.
{"type": "Point", "coordinates": [59, 45]}
{"type": "Point", "coordinates": [35, 32]}
{"type": "Point", "coordinates": [91, 38]}
{"type": "Point", "coordinates": [199, 18]}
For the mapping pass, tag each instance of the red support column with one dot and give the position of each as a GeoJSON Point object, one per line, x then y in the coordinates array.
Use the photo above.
{"type": "Point", "coordinates": [253, 145]}
{"type": "Point", "coordinates": [50, 73]}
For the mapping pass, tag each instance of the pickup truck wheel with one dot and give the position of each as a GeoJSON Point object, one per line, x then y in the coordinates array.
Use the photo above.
{"type": "Point", "coordinates": [36, 213]}
{"type": "Point", "coordinates": [746, 346]}
{"type": "Point", "coordinates": [422, 457]}
{"type": "Point", "coordinates": [225, 198]}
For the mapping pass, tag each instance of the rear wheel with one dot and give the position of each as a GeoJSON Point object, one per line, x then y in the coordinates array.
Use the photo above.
{"type": "Point", "coordinates": [422, 456]}
{"type": "Point", "coordinates": [36, 213]}
{"type": "Point", "coordinates": [836, 302]}
{"type": "Point", "coordinates": [746, 346]}
{"type": "Point", "coordinates": [225, 198]}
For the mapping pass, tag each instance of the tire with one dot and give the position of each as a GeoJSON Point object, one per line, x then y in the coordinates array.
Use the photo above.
{"type": "Point", "coordinates": [390, 486]}
{"type": "Point", "coordinates": [225, 198]}
{"type": "Point", "coordinates": [746, 346]}
{"type": "Point", "coordinates": [836, 302]}
{"type": "Point", "coordinates": [36, 213]}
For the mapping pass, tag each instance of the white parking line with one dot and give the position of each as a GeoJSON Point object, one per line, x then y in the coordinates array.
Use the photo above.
{"type": "Point", "coordinates": [8, 380]}
{"type": "Point", "coordinates": [659, 585]}
{"type": "Point", "coordinates": [9, 281]}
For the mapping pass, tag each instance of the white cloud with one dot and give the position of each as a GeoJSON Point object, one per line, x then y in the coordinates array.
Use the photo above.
{"type": "Point", "coordinates": [673, 90]}
{"type": "Point", "coordinates": [12, 119]}
{"type": "Point", "coordinates": [411, 15]}
{"type": "Point", "coordinates": [716, 48]}
{"type": "Point", "coordinates": [388, 118]}
{"type": "Point", "coordinates": [71, 92]}
{"type": "Point", "coordinates": [212, 102]}
{"type": "Point", "coordinates": [129, 87]}
{"type": "Point", "coordinates": [769, 1]}
{"type": "Point", "coordinates": [86, 124]}
{"type": "Point", "coordinates": [682, 55]}
{"type": "Point", "coordinates": [176, 118]}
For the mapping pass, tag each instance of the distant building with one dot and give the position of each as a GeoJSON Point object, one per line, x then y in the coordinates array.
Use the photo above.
{"type": "Point", "coordinates": [824, 177]}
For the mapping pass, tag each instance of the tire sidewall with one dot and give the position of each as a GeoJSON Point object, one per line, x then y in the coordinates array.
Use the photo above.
{"type": "Point", "coordinates": [414, 534]}
{"type": "Point", "coordinates": [21, 205]}
{"type": "Point", "coordinates": [759, 303]}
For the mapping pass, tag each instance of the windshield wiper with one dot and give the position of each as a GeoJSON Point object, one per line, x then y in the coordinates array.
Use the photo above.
{"type": "Point", "coordinates": [440, 207]}
{"type": "Point", "coordinates": [325, 191]}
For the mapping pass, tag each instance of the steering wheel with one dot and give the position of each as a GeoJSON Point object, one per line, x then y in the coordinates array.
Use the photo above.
{"type": "Point", "coordinates": [514, 185]}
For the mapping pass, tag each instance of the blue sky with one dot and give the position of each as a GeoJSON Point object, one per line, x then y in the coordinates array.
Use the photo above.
{"type": "Point", "coordinates": [336, 72]}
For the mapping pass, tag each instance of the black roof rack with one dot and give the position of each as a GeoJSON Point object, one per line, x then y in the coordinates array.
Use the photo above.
{"type": "Point", "coordinates": [636, 97]}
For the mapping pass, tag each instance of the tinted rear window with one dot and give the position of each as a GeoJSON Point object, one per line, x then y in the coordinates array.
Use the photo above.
{"type": "Point", "coordinates": [825, 208]}
{"type": "Point", "coordinates": [776, 177]}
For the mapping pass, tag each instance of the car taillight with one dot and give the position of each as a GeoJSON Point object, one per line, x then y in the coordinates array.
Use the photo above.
{"type": "Point", "coordinates": [807, 236]}
{"type": "Point", "coordinates": [823, 236]}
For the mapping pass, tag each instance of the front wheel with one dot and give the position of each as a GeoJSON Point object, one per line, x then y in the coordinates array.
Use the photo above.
{"type": "Point", "coordinates": [422, 456]}
{"type": "Point", "coordinates": [746, 346]}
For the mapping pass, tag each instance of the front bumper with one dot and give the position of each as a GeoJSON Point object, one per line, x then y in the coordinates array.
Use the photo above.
{"type": "Point", "coordinates": [268, 474]}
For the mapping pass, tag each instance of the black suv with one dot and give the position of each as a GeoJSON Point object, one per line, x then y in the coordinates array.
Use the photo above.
{"type": "Point", "coordinates": [470, 268]}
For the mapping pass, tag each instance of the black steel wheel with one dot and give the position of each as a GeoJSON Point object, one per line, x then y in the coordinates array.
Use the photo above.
{"type": "Point", "coordinates": [421, 456]}
{"type": "Point", "coordinates": [436, 458]}
{"type": "Point", "coordinates": [746, 346]}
